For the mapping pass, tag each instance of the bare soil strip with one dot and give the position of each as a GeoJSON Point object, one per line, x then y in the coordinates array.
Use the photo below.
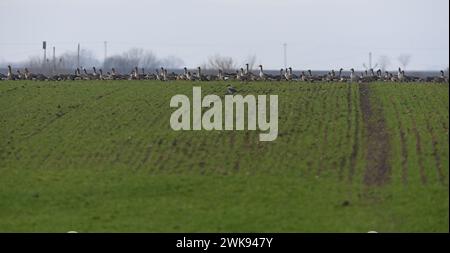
{"type": "Point", "coordinates": [377, 139]}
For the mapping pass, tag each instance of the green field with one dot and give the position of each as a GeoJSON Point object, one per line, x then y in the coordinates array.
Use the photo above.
{"type": "Point", "coordinates": [100, 156]}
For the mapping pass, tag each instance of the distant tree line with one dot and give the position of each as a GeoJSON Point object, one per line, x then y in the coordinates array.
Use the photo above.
{"type": "Point", "coordinates": [137, 57]}
{"type": "Point", "coordinates": [124, 63]}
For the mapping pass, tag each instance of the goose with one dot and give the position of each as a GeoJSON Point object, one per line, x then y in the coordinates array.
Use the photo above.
{"type": "Point", "coordinates": [189, 76]}
{"type": "Point", "coordinates": [440, 79]}
{"type": "Point", "coordinates": [379, 74]}
{"type": "Point", "coordinates": [353, 76]}
{"type": "Point", "coordinates": [77, 75]}
{"type": "Point", "coordinates": [369, 76]}
{"type": "Point", "coordinates": [86, 76]}
{"type": "Point", "coordinates": [135, 74]}
{"type": "Point", "coordinates": [393, 78]}
{"type": "Point", "coordinates": [113, 74]}
{"type": "Point", "coordinates": [27, 74]}
{"type": "Point", "coordinates": [10, 75]}
{"type": "Point", "coordinates": [170, 76]}
{"type": "Point", "coordinates": [158, 76]}
{"type": "Point", "coordinates": [183, 76]}
{"type": "Point", "coordinates": [200, 76]}
{"type": "Point", "coordinates": [288, 74]}
{"type": "Point", "coordinates": [143, 75]}
{"type": "Point", "coordinates": [131, 75]}
{"type": "Point", "coordinates": [312, 78]}
{"type": "Point", "coordinates": [220, 75]}
{"type": "Point", "coordinates": [400, 75]}
{"type": "Point", "coordinates": [101, 77]}
{"type": "Point", "coordinates": [247, 71]}
{"type": "Point", "coordinates": [238, 75]}
{"type": "Point", "coordinates": [226, 76]}
{"type": "Point", "coordinates": [249, 74]}
{"type": "Point", "coordinates": [386, 76]}
{"type": "Point", "coordinates": [341, 78]}
{"type": "Point", "coordinates": [164, 75]}
{"type": "Point", "coordinates": [443, 78]}
{"type": "Point", "coordinates": [31, 76]}
{"type": "Point", "coordinates": [281, 76]}
{"type": "Point", "coordinates": [262, 75]}
{"type": "Point", "coordinates": [19, 75]}
{"type": "Point", "coordinates": [303, 76]}
{"type": "Point", "coordinates": [186, 73]}
{"type": "Point", "coordinates": [95, 75]}
{"type": "Point", "coordinates": [231, 89]}
{"type": "Point", "coordinates": [328, 77]}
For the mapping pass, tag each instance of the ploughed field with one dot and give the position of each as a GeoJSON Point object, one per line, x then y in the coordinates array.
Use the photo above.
{"type": "Point", "coordinates": [101, 156]}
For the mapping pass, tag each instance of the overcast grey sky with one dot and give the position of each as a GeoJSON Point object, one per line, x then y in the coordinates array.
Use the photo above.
{"type": "Point", "coordinates": [320, 34]}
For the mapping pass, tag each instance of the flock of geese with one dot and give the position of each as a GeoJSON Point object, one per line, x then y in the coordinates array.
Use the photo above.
{"type": "Point", "coordinates": [241, 74]}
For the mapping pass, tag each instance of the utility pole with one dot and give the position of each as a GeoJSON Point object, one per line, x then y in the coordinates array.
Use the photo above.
{"type": "Point", "coordinates": [78, 56]}
{"type": "Point", "coordinates": [370, 60]}
{"type": "Point", "coordinates": [106, 50]}
{"type": "Point", "coordinates": [285, 54]}
{"type": "Point", "coordinates": [54, 60]}
{"type": "Point", "coordinates": [44, 46]}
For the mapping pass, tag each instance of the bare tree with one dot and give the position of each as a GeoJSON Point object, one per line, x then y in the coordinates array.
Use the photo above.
{"type": "Point", "coordinates": [384, 61]}
{"type": "Point", "coordinates": [137, 57]}
{"type": "Point", "coordinates": [34, 62]}
{"type": "Point", "coordinates": [224, 63]}
{"type": "Point", "coordinates": [172, 62]}
{"type": "Point", "coordinates": [124, 63]}
{"type": "Point", "coordinates": [404, 60]}
{"type": "Point", "coordinates": [251, 60]}
{"type": "Point", "coordinates": [87, 59]}
{"type": "Point", "coordinates": [149, 61]}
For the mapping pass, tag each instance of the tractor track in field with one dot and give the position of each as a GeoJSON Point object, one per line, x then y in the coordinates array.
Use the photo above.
{"type": "Point", "coordinates": [356, 142]}
{"type": "Point", "coordinates": [61, 114]}
{"type": "Point", "coordinates": [324, 143]}
{"type": "Point", "coordinates": [436, 155]}
{"type": "Point", "coordinates": [404, 146]}
{"type": "Point", "coordinates": [8, 91]}
{"type": "Point", "coordinates": [348, 136]}
{"type": "Point", "coordinates": [419, 152]}
{"type": "Point", "coordinates": [377, 139]}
